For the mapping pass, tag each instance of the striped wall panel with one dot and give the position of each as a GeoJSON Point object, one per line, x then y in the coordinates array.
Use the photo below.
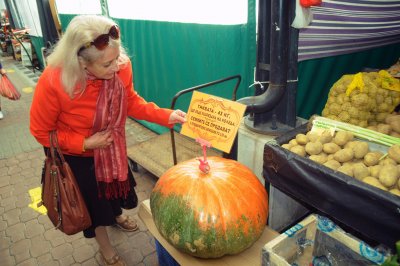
{"type": "Point", "coordinates": [343, 27]}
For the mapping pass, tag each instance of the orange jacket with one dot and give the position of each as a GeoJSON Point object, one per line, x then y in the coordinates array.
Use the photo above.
{"type": "Point", "coordinates": [73, 118]}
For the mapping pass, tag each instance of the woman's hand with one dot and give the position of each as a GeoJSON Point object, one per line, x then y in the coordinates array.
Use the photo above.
{"type": "Point", "coordinates": [99, 140]}
{"type": "Point", "coordinates": [177, 116]}
{"type": "Point", "coordinates": [2, 71]}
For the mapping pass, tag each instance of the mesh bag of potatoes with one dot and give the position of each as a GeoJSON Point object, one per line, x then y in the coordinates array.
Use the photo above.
{"type": "Point", "coordinates": [341, 151]}
{"type": "Point", "coordinates": [363, 99]}
{"type": "Point", "coordinates": [389, 126]}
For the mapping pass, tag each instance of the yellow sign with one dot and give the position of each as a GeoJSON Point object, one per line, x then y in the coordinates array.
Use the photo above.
{"type": "Point", "coordinates": [213, 119]}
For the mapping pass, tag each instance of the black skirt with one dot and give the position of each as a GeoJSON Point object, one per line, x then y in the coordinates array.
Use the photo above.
{"type": "Point", "coordinates": [102, 211]}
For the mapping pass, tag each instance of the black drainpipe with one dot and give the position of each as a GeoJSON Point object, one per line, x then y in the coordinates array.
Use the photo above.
{"type": "Point", "coordinates": [279, 61]}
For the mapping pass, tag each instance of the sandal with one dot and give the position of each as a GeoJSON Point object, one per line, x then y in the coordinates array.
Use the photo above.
{"type": "Point", "coordinates": [115, 260]}
{"type": "Point", "coordinates": [128, 224]}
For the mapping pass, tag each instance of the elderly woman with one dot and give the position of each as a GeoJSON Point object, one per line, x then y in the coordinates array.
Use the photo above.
{"type": "Point", "coordinates": [85, 94]}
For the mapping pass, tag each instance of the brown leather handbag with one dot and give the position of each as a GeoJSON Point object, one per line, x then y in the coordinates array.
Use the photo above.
{"type": "Point", "coordinates": [61, 196]}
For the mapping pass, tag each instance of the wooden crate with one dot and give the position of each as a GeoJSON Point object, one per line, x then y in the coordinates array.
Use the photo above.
{"type": "Point", "coordinates": [318, 241]}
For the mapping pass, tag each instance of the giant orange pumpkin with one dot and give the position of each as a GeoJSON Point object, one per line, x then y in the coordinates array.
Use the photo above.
{"type": "Point", "coordinates": [208, 215]}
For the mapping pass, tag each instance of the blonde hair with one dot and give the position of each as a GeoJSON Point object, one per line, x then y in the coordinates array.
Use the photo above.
{"type": "Point", "coordinates": [81, 30]}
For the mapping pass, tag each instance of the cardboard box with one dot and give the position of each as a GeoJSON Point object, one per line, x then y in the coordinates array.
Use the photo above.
{"type": "Point", "coordinates": [318, 241]}
{"type": "Point", "coordinates": [249, 257]}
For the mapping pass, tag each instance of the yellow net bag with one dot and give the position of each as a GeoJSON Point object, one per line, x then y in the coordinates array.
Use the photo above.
{"type": "Point", "coordinates": [363, 99]}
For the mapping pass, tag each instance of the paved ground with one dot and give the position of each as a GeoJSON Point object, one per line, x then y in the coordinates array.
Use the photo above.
{"type": "Point", "coordinates": [27, 237]}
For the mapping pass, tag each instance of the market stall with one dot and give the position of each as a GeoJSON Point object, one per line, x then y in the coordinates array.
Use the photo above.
{"type": "Point", "coordinates": [351, 178]}
{"type": "Point", "coordinates": [298, 189]}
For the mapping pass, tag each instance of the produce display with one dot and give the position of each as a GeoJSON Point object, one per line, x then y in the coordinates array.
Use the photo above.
{"type": "Point", "coordinates": [344, 148]}
{"type": "Point", "coordinates": [390, 125]}
{"type": "Point", "coordinates": [210, 211]}
{"type": "Point", "coordinates": [363, 99]}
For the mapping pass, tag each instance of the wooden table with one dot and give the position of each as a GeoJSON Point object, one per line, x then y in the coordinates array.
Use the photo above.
{"type": "Point", "coordinates": [249, 257]}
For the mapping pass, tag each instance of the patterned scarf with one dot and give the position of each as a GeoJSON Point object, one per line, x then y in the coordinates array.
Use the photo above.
{"type": "Point", "coordinates": [111, 165]}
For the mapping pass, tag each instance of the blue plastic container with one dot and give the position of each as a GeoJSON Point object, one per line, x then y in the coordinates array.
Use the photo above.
{"type": "Point", "coordinates": [164, 258]}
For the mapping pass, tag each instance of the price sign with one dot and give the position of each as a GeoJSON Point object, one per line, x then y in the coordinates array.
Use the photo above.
{"type": "Point", "coordinates": [214, 119]}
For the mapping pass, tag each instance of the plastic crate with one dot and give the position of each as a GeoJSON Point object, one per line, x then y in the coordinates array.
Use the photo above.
{"type": "Point", "coordinates": [318, 241]}
{"type": "Point", "coordinates": [164, 258]}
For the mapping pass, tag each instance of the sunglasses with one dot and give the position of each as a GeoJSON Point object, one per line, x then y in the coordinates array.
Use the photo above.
{"type": "Point", "coordinates": [103, 40]}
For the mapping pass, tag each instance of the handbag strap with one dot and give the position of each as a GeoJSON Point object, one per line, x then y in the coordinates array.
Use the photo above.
{"type": "Point", "coordinates": [55, 148]}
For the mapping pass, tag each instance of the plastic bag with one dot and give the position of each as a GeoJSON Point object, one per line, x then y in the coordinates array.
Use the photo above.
{"type": "Point", "coordinates": [303, 16]}
{"type": "Point", "coordinates": [7, 89]}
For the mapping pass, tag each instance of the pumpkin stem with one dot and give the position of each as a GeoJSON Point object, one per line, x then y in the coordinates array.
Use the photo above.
{"type": "Point", "coordinates": [204, 166]}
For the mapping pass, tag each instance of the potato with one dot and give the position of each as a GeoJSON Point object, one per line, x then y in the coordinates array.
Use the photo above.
{"type": "Point", "coordinates": [344, 155]}
{"type": "Point", "coordinates": [387, 161]}
{"type": "Point", "coordinates": [374, 170]}
{"type": "Point", "coordinates": [301, 139]}
{"type": "Point", "coordinates": [388, 175]}
{"type": "Point", "coordinates": [395, 125]}
{"type": "Point", "coordinates": [360, 171]}
{"type": "Point", "coordinates": [392, 117]}
{"type": "Point", "coordinates": [393, 120]}
{"type": "Point", "coordinates": [360, 149]}
{"type": "Point", "coordinates": [313, 148]}
{"type": "Point", "coordinates": [326, 136]}
{"type": "Point", "coordinates": [371, 159]}
{"type": "Point", "coordinates": [350, 136]}
{"type": "Point", "coordinates": [312, 136]}
{"type": "Point", "coordinates": [333, 164]}
{"type": "Point", "coordinates": [293, 142]}
{"type": "Point", "coordinates": [330, 147]}
{"type": "Point", "coordinates": [373, 182]}
{"type": "Point", "coordinates": [395, 191]}
{"type": "Point", "coordinates": [346, 169]}
{"type": "Point", "coordinates": [341, 138]}
{"type": "Point", "coordinates": [394, 153]}
{"type": "Point", "coordinates": [330, 157]}
{"type": "Point", "coordinates": [299, 150]}
{"type": "Point", "coordinates": [349, 163]}
{"type": "Point", "coordinates": [350, 144]}
{"type": "Point", "coordinates": [383, 128]}
{"type": "Point", "coordinates": [380, 154]}
{"type": "Point", "coordinates": [286, 146]}
{"type": "Point", "coordinates": [319, 158]}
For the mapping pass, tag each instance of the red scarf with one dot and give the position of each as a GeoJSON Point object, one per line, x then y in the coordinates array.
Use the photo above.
{"type": "Point", "coordinates": [111, 165]}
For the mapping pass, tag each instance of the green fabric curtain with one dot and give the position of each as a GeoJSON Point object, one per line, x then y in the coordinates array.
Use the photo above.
{"type": "Point", "coordinates": [64, 20]}
{"type": "Point", "coordinates": [168, 57]}
{"type": "Point", "coordinates": [317, 76]}
{"type": "Point", "coordinates": [38, 43]}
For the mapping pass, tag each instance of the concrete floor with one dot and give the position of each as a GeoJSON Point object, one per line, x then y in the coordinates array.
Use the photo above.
{"type": "Point", "coordinates": [29, 238]}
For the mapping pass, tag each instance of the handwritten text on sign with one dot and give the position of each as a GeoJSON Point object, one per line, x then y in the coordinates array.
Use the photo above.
{"type": "Point", "coordinates": [214, 119]}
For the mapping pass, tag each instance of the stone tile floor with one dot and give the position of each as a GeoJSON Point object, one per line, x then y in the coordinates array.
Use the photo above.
{"type": "Point", "coordinates": [29, 238]}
